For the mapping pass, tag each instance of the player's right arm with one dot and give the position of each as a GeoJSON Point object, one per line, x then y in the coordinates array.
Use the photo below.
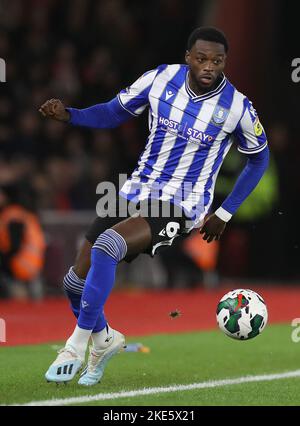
{"type": "Point", "coordinates": [129, 103]}
{"type": "Point", "coordinates": [101, 116]}
{"type": "Point", "coordinates": [252, 141]}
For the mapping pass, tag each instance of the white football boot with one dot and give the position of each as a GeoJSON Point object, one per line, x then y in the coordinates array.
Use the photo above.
{"type": "Point", "coordinates": [65, 367]}
{"type": "Point", "coordinates": [97, 361]}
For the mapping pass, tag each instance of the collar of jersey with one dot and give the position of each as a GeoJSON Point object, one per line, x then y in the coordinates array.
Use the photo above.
{"type": "Point", "coordinates": [206, 95]}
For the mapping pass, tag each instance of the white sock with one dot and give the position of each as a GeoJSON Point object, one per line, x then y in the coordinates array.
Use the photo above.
{"type": "Point", "coordinates": [102, 339]}
{"type": "Point", "coordinates": [79, 340]}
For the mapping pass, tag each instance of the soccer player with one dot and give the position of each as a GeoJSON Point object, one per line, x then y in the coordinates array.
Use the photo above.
{"type": "Point", "coordinates": [195, 114]}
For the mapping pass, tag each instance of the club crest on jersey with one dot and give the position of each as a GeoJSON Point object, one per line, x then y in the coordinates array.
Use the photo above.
{"type": "Point", "coordinates": [219, 115]}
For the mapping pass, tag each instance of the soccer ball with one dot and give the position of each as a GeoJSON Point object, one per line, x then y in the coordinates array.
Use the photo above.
{"type": "Point", "coordinates": [242, 314]}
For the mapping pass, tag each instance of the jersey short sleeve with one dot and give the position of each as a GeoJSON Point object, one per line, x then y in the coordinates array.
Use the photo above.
{"type": "Point", "coordinates": [135, 98]}
{"type": "Point", "coordinates": [249, 132]}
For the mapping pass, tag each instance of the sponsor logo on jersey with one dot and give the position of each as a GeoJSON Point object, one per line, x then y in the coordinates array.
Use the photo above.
{"type": "Point", "coordinates": [185, 132]}
{"type": "Point", "coordinates": [258, 128]}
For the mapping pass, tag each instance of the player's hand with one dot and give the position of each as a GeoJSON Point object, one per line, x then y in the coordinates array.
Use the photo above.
{"type": "Point", "coordinates": [212, 228]}
{"type": "Point", "coordinates": [55, 109]}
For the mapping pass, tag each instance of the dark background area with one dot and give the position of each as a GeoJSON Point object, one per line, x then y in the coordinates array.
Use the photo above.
{"type": "Point", "coordinates": [84, 52]}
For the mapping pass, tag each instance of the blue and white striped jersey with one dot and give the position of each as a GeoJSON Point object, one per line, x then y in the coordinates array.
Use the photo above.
{"type": "Point", "coordinates": [189, 137]}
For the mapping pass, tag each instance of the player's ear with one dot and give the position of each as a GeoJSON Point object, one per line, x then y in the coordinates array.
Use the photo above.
{"type": "Point", "coordinates": [187, 57]}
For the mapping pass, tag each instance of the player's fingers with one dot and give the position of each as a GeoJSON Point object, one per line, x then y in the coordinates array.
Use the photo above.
{"type": "Point", "coordinates": [52, 106]}
{"type": "Point", "coordinates": [203, 229]}
{"type": "Point", "coordinates": [42, 107]}
{"type": "Point", "coordinates": [46, 108]}
{"type": "Point", "coordinates": [52, 101]}
{"type": "Point", "coordinates": [210, 238]}
{"type": "Point", "coordinates": [42, 112]}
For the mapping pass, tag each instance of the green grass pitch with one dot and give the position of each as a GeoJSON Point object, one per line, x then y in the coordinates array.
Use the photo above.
{"type": "Point", "coordinates": [174, 359]}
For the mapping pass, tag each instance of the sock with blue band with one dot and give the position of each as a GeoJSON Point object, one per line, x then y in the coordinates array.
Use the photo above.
{"type": "Point", "coordinates": [73, 286]}
{"type": "Point", "coordinates": [109, 249]}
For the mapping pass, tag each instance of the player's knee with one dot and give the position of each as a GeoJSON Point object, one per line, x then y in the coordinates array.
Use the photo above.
{"type": "Point", "coordinates": [81, 268]}
{"type": "Point", "coordinates": [83, 261]}
{"type": "Point", "coordinates": [111, 243]}
{"type": "Point", "coordinates": [72, 283]}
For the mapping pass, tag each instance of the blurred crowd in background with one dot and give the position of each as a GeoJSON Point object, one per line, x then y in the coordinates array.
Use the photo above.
{"type": "Point", "coordinates": [84, 52]}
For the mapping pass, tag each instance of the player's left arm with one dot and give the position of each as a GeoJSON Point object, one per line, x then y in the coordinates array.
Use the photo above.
{"type": "Point", "coordinates": [252, 141]}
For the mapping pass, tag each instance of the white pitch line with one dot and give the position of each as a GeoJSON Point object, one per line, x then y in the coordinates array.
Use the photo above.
{"type": "Point", "coordinates": [173, 388]}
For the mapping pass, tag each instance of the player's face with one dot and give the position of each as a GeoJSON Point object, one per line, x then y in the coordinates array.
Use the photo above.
{"type": "Point", "coordinates": [206, 61]}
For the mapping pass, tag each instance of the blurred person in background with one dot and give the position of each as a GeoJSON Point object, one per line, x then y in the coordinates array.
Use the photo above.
{"type": "Point", "coordinates": [194, 115]}
{"type": "Point", "coordinates": [22, 243]}
{"type": "Point", "coordinates": [48, 50]}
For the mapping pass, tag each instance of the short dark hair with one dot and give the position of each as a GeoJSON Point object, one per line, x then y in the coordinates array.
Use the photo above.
{"type": "Point", "coordinates": [207, 34]}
